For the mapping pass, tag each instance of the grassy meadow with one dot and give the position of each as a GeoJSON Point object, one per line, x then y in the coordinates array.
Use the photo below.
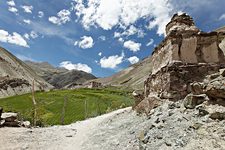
{"type": "Point", "coordinates": [74, 105]}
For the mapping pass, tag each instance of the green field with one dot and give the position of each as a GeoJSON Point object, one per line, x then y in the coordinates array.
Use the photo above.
{"type": "Point", "coordinates": [79, 104]}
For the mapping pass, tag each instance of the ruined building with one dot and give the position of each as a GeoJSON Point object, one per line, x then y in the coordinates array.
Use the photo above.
{"type": "Point", "coordinates": [184, 56]}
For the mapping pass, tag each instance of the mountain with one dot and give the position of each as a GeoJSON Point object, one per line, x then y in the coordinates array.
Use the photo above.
{"type": "Point", "coordinates": [131, 77]}
{"type": "Point", "coordinates": [60, 77]}
{"type": "Point", "coordinates": [16, 77]}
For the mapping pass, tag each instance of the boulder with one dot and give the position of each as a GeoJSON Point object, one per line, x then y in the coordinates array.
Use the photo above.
{"type": "Point", "coordinates": [218, 115]}
{"type": "Point", "coordinates": [191, 101]}
{"type": "Point", "coordinates": [10, 120]}
{"type": "Point", "coordinates": [149, 103]}
{"type": "Point", "coordinates": [1, 110]}
{"type": "Point", "coordinates": [9, 116]}
{"type": "Point", "coordinates": [138, 97]}
{"type": "Point", "coordinates": [197, 88]}
{"type": "Point", "coordinates": [222, 72]}
{"type": "Point", "coordinates": [26, 124]}
{"type": "Point", "coordinates": [216, 88]}
{"type": "Point", "coordinates": [11, 124]}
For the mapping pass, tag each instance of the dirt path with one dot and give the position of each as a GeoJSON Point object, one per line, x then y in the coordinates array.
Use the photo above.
{"type": "Point", "coordinates": [56, 137]}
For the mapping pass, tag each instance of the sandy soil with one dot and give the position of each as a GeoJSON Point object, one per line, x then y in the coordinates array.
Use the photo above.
{"type": "Point", "coordinates": [57, 137]}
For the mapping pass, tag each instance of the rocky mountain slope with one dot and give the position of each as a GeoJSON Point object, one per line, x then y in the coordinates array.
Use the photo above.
{"type": "Point", "coordinates": [16, 77]}
{"type": "Point", "coordinates": [132, 77]}
{"type": "Point", "coordinates": [60, 77]}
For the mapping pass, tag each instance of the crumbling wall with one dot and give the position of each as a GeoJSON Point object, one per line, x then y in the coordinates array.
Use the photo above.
{"type": "Point", "coordinates": [184, 56]}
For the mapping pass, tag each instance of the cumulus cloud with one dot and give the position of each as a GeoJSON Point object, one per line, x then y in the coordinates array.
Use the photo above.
{"type": "Point", "coordinates": [27, 21]}
{"type": "Point", "coordinates": [11, 3]}
{"type": "Point", "coordinates": [62, 17]}
{"type": "Point", "coordinates": [85, 42]}
{"type": "Point", "coordinates": [100, 54]}
{"type": "Point", "coordinates": [131, 45]}
{"type": "Point", "coordinates": [13, 38]}
{"type": "Point", "coordinates": [151, 41]}
{"type": "Point", "coordinates": [107, 14]}
{"type": "Point", "coordinates": [133, 59]}
{"type": "Point", "coordinates": [27, 9]}
{"type": "Point", "coordinates": [13, 9]}
{"type": "Point", "coordinates": [70, 66]}
{"type": "Point", "coordinates": [112, 61]}
{"type": "Point", "coordinates": [41, 14]}
{"type": "Point", "coordinates": [222, 17]}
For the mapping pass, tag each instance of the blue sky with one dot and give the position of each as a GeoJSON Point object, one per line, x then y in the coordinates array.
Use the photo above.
{"type": "Point", "coordinates": [98, 36]}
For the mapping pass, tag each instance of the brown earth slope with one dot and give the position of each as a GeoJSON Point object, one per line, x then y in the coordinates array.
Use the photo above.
{"type": "Point", "coordinates": [132, 77]}
{"type": "Point", "coordinates": [16, 77]}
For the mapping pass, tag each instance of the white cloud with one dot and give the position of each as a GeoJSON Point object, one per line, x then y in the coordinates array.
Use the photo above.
{"type": "Point", "coordinates": [103, 38]}
{"type": "Point", "coordinates": [63, 17]}
{"type": "Point", "coordinates": [100, 54]}
{"type": "Point", "coordinates": [131, 45]}
{"type": "Point", "coordinates": [151, 41]}
{"type": "Point", "coordinates": [111, 61]}
{"type": "Point", "coordinates": [70, 66]}
{"type": "Point", "coordinates": [222, 17]}
{"type": "Point", "coordinates": [13, 38]}
{"type": "Point", "coordinates": [108, 14]}
{"type": "Point", "coordinates": [117, 34]}
{"type": "Point", "coordinates": [45, 29]}
{"type": "Point", "coordinates": [11, 3]}
{"type": "Point", "coordinates": [13, 9]}
{"type": "Point", "coordinates": [27, 9]}
{"type": "Point", "coordinates": [130, 31]}
{"type": "Point", "coordinates": [54, 20]}
{"type": "Point", "coordinates": [121, 40]}
{"type": "Point", "coordinates": [85, 42]}
{"type": "Point", "coordinates": [33, 34]}
{"type": "Point", "coordinates": [24, 58]}
{"type": "Point", "coordinates": [27, 36]}
{"type": "Point", "coordinates": [41, 14]}
{"type": "Point", "coordinates": [27, 21]}
{"type": "Point", "coordinates": [133, 59]}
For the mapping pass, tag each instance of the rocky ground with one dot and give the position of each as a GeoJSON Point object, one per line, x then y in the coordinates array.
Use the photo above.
{"type": "Point", "coordinates": [169, 126]}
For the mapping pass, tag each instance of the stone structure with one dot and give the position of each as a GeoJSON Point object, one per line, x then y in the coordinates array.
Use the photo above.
{"type": "Point", "coordinates": [186, 55]}
{"type": "Point", "coordinates": [94, 84]}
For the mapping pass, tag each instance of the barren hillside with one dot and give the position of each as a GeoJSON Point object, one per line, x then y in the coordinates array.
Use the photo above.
{"type": "Point", "coordinates": [16, 77]}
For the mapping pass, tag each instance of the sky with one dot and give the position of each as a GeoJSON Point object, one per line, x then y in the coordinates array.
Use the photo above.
{"type": "Point", "coordinates": [100, 37]}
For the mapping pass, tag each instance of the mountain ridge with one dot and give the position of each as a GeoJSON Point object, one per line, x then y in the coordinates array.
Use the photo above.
{"type": "Point", "coordinates": [60, 77]}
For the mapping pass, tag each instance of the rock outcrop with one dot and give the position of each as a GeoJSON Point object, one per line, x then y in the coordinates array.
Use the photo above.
{"type": "Point", "coordinates": [185, 56]}
{"type": "Point", "coordinates": [10, 119]}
